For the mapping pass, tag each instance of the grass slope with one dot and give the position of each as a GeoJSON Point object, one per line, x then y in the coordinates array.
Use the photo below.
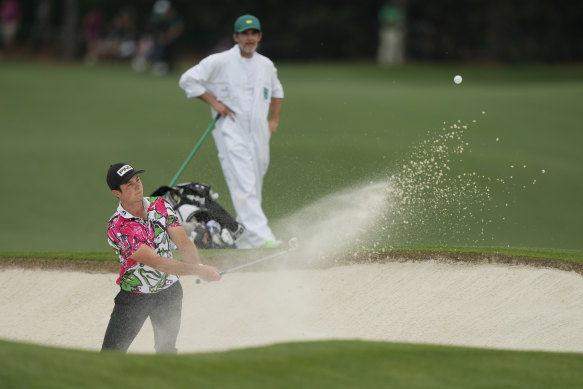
{"type": "Point", "coordinates": [338, 364]}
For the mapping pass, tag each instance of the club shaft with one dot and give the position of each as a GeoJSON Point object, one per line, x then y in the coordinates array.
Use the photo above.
{"type": "Point", "coordinates": [194, 150]}
{"type": "Point", "coordinates": [253, 262]}
{"type": "Point", "coordinates": [293, 245]}
{"type": "Point", "coordinates": [198, 281]}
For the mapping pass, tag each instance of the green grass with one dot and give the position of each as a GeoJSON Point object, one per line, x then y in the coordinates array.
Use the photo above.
{"type": "Point", "coordinates": [559, 255]}
{"type": "Point", "coordinates": [338, 364]}
{"type": "Point", "coordinates": [99, 256]}
{"type": "Point", "coordinates": [341, 125]}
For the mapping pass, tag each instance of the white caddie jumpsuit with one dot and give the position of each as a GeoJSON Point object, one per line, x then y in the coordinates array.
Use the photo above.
{"type": "Point", "coordinates": [246, 86]}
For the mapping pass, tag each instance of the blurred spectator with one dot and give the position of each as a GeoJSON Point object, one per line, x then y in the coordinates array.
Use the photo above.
{"type": "Point", "coordinates": [391, 50]}
{"type": "Point", "coordinates": [156, 47]}
{"type": "Point", "coordinates": [120, 38]}
{"type": "Point", "coordinates": [10, 17]}
{"type": "Point", "coordinates": [115, 42]}
{"type": "Point", "coordinates": [92, 34]}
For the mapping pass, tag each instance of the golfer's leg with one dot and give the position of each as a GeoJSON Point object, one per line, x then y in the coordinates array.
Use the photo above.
{"type": "Point", "coordinates": [128, 316]}
{"type": "Point", "coordinates": [165, 317]}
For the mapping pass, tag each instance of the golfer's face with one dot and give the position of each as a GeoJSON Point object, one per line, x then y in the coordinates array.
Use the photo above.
{"type": "Point", "coordinates": [248, 40]}
{"type": "Point", "coordinates": [133, 190]}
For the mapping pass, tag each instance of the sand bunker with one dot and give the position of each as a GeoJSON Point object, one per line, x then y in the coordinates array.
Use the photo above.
{"type": "Point", "coordinates": [484, 305]}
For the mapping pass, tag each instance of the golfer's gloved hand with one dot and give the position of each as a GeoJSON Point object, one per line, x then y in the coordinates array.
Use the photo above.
{"type": "Point", "coordinates": [207, 273]}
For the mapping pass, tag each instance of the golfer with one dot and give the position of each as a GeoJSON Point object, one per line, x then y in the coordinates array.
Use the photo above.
{"type": "Point", "coordinates": [140, 232]}
{"type": "Point", "coordinates": [242, 86]}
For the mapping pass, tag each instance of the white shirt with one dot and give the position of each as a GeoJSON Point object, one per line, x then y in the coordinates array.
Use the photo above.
{"type": "Point", "coordinates": [245, 85]}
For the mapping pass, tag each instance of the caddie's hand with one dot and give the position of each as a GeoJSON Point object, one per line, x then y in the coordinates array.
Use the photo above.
{"type": "Point", "coordinates": [207, 273]}
{"type": "Point", "coordinates": [273, 124]}
{"type": "Point", "coordinates": [223, 110]}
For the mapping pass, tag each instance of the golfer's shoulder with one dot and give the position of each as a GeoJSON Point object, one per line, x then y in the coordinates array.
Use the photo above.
{"type": "Point", "coordinates": [115, 221]}
{"type": "Point", "coordinates": [161, 205]}
{"type": "Point", "coordinates": [157, 201]}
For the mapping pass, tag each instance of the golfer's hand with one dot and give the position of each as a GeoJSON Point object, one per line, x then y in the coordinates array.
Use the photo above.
{"type": "Point", "coordinates": [223, 110]}
{"type": "Point", "coordinates": [208, 273]}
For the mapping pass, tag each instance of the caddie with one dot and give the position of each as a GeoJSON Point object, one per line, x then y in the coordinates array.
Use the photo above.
{"type": "Point", "coordinates": [140, 232]}
{"type": "Point", "coordinates": [243, 87]}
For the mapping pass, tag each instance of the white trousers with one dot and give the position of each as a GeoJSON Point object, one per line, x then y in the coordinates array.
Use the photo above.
{"type": "Point", "coordinates": [244, 158]}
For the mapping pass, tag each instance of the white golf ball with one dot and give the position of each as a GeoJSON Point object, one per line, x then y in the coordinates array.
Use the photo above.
{"type": "Point", "coordinates": [457, 79]}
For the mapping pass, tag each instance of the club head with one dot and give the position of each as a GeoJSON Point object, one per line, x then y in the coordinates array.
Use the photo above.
{"type": "Point", "coordinates": [293, 243]}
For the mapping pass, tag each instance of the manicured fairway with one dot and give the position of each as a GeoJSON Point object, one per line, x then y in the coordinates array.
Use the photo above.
{"type": "Point", "coordinates": [342, 125]}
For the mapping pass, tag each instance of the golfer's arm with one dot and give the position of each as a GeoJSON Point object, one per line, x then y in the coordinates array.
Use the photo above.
{"type": "Point", "coordinates": [146, 255]}
{"type": "Point", "coordinates": [186, 248]}
{"type": "Point", "coordinates": [189, 255]}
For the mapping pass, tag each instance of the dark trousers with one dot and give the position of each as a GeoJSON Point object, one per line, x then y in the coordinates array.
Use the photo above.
{"type": "Point", "coordinates": [131, 311]}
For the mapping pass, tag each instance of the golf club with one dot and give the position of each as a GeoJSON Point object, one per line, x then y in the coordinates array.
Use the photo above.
{"type": "Point", "coordinates": [194, 150]}
{"type": "Point", "coordinates": [161, 191]}
{"type": "Point", "coordinates": [293, 245]}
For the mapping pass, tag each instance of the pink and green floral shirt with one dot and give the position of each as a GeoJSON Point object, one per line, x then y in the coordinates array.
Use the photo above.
{"type": "Point", "coordinates": [127, 233]}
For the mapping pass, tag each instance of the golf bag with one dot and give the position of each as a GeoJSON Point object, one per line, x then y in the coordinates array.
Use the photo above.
{"type": "Point", "coordinates": [205, 222]}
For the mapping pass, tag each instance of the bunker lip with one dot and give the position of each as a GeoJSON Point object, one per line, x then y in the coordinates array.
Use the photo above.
{"type": "Point", "coordinates": [289, 261]}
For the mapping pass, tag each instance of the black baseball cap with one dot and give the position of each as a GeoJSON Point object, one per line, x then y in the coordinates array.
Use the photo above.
{"type": "Point", "coordinates": [119, 174]}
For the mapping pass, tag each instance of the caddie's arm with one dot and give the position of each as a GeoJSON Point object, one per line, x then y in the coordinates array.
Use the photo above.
{"type": "Point", "coordinates": [274, 109]}
{"type": "Point", "coordinates": [218, 106]}
{"type": "Point", "coordinates": [189, 254]}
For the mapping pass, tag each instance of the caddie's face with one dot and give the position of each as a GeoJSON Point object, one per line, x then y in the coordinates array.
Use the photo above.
{"type": "Point", "coordinates": [248, 41]}
{"type": "Point", "coordinates": [132, 191]}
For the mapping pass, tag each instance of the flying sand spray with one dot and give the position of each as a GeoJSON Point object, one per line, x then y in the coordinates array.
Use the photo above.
{"type": "Point", "coordinates": [429, 197]}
